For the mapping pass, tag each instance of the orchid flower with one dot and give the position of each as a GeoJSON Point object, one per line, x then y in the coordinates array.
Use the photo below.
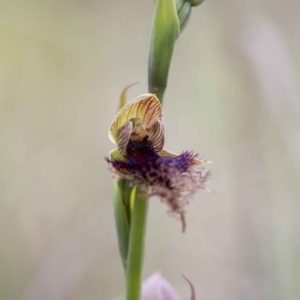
{"type": "Point", "coordinates": [138, 132]}
{"type": "Point", "coordinates": [156, 287]}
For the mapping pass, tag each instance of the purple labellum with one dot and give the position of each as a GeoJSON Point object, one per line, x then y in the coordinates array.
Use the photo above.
{"type": "Point", "coordinates": [140, 157]}
{"type": "Point", "coordinates": [174, 179]}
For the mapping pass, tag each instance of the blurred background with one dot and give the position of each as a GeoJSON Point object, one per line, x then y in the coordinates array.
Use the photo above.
{"type": "Point", "coordinates": [233, 96]}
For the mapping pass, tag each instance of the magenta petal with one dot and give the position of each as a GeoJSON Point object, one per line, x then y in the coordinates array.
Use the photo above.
{"type": "Point", "coordinates": [156, 287]}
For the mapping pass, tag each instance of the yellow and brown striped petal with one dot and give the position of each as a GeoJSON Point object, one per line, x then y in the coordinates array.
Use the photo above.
{"type": "Point", "coordinates": [123, 137]}
{"type": "Point", "coordinates": [157, 135]}
{"type": "Point", "coordinates": [147, 107]}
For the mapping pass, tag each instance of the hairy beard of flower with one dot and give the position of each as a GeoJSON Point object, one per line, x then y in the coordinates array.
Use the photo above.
{"type": "Point", "coordinates": [173, 179]}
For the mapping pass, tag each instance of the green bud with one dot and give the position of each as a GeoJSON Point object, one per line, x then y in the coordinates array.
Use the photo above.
{"type": "Point", "coordinates": [170, 18]}
{"type": "Point", "coordinates": [184, 10]}
{"type": "Point", "coordinates": [195, 2]}
{"type": "Point", "coordinates": [165, 31]}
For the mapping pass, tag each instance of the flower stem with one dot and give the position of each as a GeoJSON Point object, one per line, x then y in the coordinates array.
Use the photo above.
{"type": "Point", "coordinates": [136, 248]}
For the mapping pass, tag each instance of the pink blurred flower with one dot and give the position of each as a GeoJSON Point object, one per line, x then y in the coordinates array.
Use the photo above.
{"type": "Point", "coordinates": [156, 287]}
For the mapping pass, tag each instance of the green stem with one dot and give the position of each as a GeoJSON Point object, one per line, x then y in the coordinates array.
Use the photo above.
{"type": "Point", "coordinates": [136, 248]}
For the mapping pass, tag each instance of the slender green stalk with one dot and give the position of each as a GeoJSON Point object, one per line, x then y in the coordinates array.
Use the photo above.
{"type": "Point", "coordinates": [170, 17]}
{"type": "Point", "coordinates": [136, 248]}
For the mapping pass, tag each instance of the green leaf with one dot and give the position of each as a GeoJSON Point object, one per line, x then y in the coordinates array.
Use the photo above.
{"type": "Point", "coordinates": [122, 194]}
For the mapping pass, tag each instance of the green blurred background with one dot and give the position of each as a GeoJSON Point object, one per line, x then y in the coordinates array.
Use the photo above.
{"type": "Point", "coordinates": [233, 96]}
